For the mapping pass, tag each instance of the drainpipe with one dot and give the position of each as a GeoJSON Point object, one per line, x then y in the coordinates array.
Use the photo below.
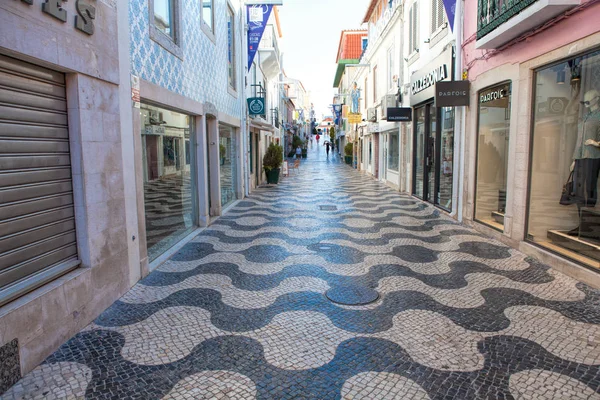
{"type": "Point", "coordinates": [460, 117]}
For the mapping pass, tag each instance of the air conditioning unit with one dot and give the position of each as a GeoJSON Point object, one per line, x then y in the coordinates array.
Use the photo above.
{"type": "Point", "coordinates": [372, 114]}
{"type": "Point", "coordinates": [388, 101]}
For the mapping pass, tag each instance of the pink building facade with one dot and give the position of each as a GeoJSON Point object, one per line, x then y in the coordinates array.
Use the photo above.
{"type": "Point", "coordinates": [532, 147]}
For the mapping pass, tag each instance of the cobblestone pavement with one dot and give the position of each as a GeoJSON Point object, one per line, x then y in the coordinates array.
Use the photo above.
{"type": "Point", "coordinates": [240, 312]}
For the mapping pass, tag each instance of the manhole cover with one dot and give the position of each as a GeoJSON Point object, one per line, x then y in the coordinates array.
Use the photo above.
{"type": "Point", "coordinates": [352, 295]}
{"type": "Point", "coordinates": [328, 208]}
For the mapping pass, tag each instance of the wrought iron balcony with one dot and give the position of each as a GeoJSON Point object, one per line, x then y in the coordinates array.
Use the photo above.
{"type": "Point", "coordinates": [493, 13]}
{"type": "Point", "coordinates": [499, 21]}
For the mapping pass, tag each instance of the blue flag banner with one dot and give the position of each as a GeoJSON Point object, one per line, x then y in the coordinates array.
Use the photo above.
{"type": "Point", "coordinates": [257, 15]}
{"type": "Point", "coordinates": [450, 6]}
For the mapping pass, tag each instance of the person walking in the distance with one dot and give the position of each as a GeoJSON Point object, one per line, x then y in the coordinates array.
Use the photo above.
{"type": "Point", "coordinates": [326, 144]}
{"type": "Point", "coordinates": [298, 152]}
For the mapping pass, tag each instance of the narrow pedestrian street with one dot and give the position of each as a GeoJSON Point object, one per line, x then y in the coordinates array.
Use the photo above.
{"type": "Point", "coordinates": [241, 312]}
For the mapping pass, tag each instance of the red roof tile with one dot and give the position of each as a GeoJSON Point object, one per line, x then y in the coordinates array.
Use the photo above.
{"type": "Point", "coordinates": [350, 47]}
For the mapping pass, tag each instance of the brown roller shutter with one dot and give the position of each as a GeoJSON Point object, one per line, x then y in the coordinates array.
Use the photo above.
{"type": "Point", "coordinates": [37, 218]}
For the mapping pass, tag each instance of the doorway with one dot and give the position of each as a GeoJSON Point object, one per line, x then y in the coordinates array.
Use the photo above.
{"type": "Point", "coordinates": [432, 176]}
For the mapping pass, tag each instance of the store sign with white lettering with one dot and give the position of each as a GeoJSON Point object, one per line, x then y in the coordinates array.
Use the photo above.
{"type": "Point", "coordinates": [422, 83]}
{"type": "Point", "coordinates": [452, 94]}
{"type": "Point", "coordinates": [84, 20]}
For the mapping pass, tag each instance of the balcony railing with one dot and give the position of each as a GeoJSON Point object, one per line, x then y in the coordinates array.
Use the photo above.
{"type": "Point", "coordinates": [493, 13]}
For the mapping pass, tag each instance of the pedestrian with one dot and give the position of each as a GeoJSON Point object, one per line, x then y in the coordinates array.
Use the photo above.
{"type": "Point", "coordinates": [298, 152]}
{"type": "Point", "coordinates": [326, 144]}
{"type": "Point", "coordinates": [318, 137]}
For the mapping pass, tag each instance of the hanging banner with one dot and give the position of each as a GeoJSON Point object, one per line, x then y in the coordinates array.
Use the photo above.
{"type": "Point", "coordinates": [257, 15]}
{"type": "Point", "coordinates": [450, 7]}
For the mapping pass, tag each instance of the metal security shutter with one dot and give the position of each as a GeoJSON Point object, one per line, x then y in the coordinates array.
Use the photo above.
{"type": "Point", "coordinates": [37, 219]}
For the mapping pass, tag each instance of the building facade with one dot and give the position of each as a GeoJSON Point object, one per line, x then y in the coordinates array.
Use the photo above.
{"type": "Point", "coordinates": [187, 58]}
{"type": "Point", "coordinates": [532, 129]}
{"type": "Point", "coordinates": [69, 243]}
{"type": "Point", "coordinates": [382, 89]}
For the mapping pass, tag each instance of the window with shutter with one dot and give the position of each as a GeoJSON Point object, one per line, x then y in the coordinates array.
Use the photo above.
{"type": "Point", "coordinates": [437, 14]}
{"type": "Point", "coordinates": [415, 29]}
{"type": "Point", "coordinates": [410, 31]}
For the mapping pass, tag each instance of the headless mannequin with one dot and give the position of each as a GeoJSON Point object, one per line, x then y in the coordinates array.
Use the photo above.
{"type": "Point", "coordinates": [586, 159]}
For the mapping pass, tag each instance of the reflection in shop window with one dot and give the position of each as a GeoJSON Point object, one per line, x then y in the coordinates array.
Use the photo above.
{"type": "Point", "coordinates": [228, 170]}
{"type": "Point", "coordinates": [564, 215]}
{"type": "Point", "coordinates": [168, 183]}
{"type": "Point", "coordinates": [446, 158]}
{"type": "Point", "coordinates": [492, 155]}
{"type": "Point", "coordinates": [393, 151]}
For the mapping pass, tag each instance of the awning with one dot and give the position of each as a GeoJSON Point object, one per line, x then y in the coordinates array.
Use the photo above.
{"type": "Point", "coordinates": [259, 123]}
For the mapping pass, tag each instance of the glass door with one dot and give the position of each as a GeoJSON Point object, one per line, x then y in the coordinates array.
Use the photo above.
{"type": "Point", "coordinates": [431, 155]}
{"type": "Point", "coordinates": [419, 178]}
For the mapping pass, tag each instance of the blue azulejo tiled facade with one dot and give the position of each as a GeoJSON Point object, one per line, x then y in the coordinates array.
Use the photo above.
{"type": "Point", "coordinates": [200, 73]}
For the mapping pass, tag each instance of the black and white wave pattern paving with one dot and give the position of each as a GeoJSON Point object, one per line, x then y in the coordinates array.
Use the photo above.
{"type": "Point", "coordinates": [240, 312]}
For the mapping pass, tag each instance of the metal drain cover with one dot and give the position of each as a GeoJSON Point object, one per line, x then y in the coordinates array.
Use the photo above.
{"type": "Point", "coordinates": [328, 208]}
{"type": "Point", "coordinates": [352, 295]}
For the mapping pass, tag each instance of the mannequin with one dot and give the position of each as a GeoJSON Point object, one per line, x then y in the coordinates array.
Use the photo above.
{"type": "Point", "coordinates": [586, 158]}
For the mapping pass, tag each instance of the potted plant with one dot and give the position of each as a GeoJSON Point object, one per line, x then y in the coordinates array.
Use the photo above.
{"type": "Point", "coordinates": [222, 153]}
{"type": "Point", "coordinates": [272, 162]}
{"type": "Point", "coordinates": [348, 150]}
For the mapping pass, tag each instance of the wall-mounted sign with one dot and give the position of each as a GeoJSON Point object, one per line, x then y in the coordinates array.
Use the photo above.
{"type": "Point", "coordinates": [354, 118]}
{"type": "Point", "coordinates": [422, 83]}
{"type": "Point", "coordinates": [84, 20]}
{"type": "Point", "coordinates": [399, 114]}
{"type": "Point", "coordinates": [256, 106]}
{"type": "Point", "coordinates": [431, 78]}
{"type": "Point", "coordinates": [452, 93]}
{"type": "Point", "coordinates": [135, 91]}
{"type": "Point", "coordinates": [373, 127]}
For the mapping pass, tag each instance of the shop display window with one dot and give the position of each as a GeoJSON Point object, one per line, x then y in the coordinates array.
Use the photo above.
{"type": "Point", "coordinates": [227, 156]}
{"type": "Point", "coordinates": [564, 214]}
{"type": "Point", "coordinates": [393, 150]}
{"type": "Point", "coordinates": [492, 155]}
{"type": "Point", "coordinates": [167, 161]}
{"type": "Point", "coordinates": [446, 158]}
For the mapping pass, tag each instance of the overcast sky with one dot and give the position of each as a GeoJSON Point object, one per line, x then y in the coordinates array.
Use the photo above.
{"type": "Point", "coordinates": [311, 35]}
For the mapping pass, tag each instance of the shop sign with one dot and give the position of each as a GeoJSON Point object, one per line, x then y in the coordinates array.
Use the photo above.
{"type": "Point", "coordinates": [422, 83]}
{"type": "Point", "coordinates": [84, 20]}
{"type": "Point", "coordinates": [373, 127]}
{"type": "Point", "coordinates": [452, 94]}
{"type": "Point", "coordinates": [399, 114]}
{"type": "Point", "coordinates": [135, 91]}
{"type": "Point", "coordinates": [256, 106]}
{"type": "Point", "coordinates": [376, 29]}
{"type": "Point", "coordinates": [430, 79]}
{"type": "Point", "coordinates": [495, 97]}
{"type": "Point", "coordinates": [354, 118]}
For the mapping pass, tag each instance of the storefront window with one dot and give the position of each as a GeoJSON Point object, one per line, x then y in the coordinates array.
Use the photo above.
{"type": "Point", "coordinates": [564, 214]}
{"type": "Point", "coordinates": [168, 183]}
{"type": "Point", "coordinates": [492, 155]}
{"type": "Point", "coordinates": [446, 158]}
{"type": "Point", "coordinates": [393, 150]}
{"type": "Point", "coordinates": [419, 151]}
{"type": "Point", "coordinates": [227, 157]}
